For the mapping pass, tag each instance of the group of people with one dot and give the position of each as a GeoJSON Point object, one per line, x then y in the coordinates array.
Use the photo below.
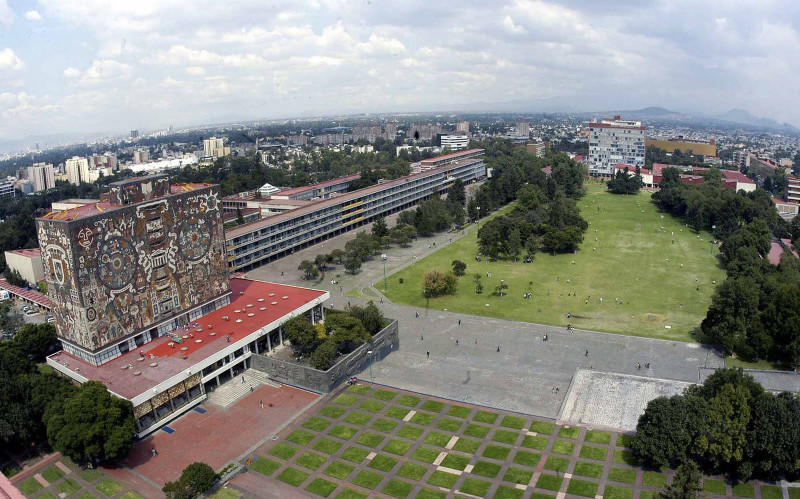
{"type": "Point", "coordinates": [570, 329]}
{"type": "Point", "coordinates": [639, 366]}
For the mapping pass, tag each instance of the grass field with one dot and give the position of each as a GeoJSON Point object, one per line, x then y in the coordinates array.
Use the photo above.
{"type": "Point", "coordinates": [652, 271]}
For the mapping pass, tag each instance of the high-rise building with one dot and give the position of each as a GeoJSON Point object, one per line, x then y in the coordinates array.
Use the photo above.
{"type": "Point", "coordinates": [424, 132]}
{"type": "Point", "coordinates": [42, 176]}
{"type": "Point", "coordinates": [614, 141]}
{"type": "Point", "coordinates": [141, 156]}
{"type": "Point", "coordinates": [523, 129]}
{"type": "Point", "coordinates": [77, 169]}
{"type": "Point", "coordinates": [134, 134]}
{"type": "Point", "coordinates": [462, 127]}
{"type": "Point", "coordinates": [390, 130]}
{"type": "Point", "coordinates": [215, 147]}
{"type": "Point", "coordinates": [146, 258]}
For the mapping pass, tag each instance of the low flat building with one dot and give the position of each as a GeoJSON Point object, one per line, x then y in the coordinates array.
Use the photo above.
{"type": "Point", "coordinates": [28, 262]}
{"type": "Point", "coordinates": [34, 299]}
{"type": "Point", "coordinates": [538, 149]}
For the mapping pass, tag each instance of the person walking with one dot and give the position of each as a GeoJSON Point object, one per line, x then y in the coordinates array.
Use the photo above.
{"type": "Point", "coordinates": [587, 353]}
{"type": "Point", "coordinates": [155, 452]}
{"type": "Point", "coordinates": [262, 403]}
{"type": "Point", "coordinates": [242, 378]}
{"type": "Point", "coordinates": [456, 341]}
{"type": "Point", "coordinates": [428, 353]}
{"type": "Point", "coordinates": [459, 322]}
{"type": "Point", "coordinates": [498, 348]}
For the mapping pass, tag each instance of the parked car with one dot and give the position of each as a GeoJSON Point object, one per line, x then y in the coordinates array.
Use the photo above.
{"type": "Point", "coordinates": [51, 319]}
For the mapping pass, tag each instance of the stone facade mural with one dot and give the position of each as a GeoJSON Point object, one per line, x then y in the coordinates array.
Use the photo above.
{"type": "Point", "coordinates": [121, 269]}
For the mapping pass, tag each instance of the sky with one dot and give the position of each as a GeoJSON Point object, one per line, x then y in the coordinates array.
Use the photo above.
{"type": "Point", "coordinates": [115, 65]}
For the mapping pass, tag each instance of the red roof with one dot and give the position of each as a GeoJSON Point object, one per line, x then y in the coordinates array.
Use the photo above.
{"type": "Point", "coordinates": [739, 177]}
{"type": "Point", "coordinates": [34, 296]}
{"type": "Point", "coordinates": [631, 168]}
{"type": "Point", "coordinates": [29, 253]}
{"type": "Point", "coordinates": [279, 301]}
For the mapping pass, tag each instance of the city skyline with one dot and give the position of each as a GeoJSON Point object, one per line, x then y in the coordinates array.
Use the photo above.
{"type": "Point", "coordinates": [70, 66]}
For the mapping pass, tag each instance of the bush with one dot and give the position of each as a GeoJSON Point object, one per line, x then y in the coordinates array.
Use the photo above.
{"type": "Point", "coordinates": [194, 480]}
{"type": "Point", "coordinates": [324, 356]}
{"type": "Point", "coordinates": [437, 283]}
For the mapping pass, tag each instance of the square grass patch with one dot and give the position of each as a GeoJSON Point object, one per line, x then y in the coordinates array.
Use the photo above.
{"type": "Point", "coordinates": [647, 494]}
{"type": "Point", "coordinates": [370, 439]}
{"type": "Point", "coordinates": [398, 488]}
{"type": "Point", "coordinates": [476, 430]}
{"type": "Point", "coordinates": [351, 494]}
{"type": "Point", "coordinates": [412, 471]}
{"type": "Point", "coordinates": [430, 494]}
{"type": "Point", "coordinates": [455, 462]}
{"type": "Point", "coordinates": [265, 466]}
{"type": "Point", "coordinates": [467, 445]}
{"type": "Point", "coordinates": [339, 470]}
{"type": "Point", "coordinates": [615, 492]}
{"type": "Point", "coordinates": [48, 495]}
{"type": "Point", "coordinates": [527, 458]}
{"type": "Point", "coordinates": [283, 451]}
{"type": "Point", "coordinates": [367, 479]}
{"type": "Point", "coordinates": [533, 442]}
{"type": "Point", "coordinates": [591, 470]}
{"type": "Point", "coordinates": [569, 432]}
{"type": "Point", "coordinates": [425, 454]}
{"type": "Point", "coordinates": [496, 452]}
{"type": "Point", "coordinates": [555, 463]}
{"type": "Point", "coordinates": [794, 492]}
{"type": "Point", "coordinates": [624, 457]}
{"type": "Point", "coordinates": [714, 486]}
{"type": "Point", "coordinates": [459, 411]}
{"type": "Point", "coordinates": [582, 488]}
{"type": "Point", "coordinates": [436, 438]}
{"type": "Point", "coordinates": [357, 418]}
{"type": "Point", "coordinates": [449, 424]}
{"type": "Point", "coordinates": [505, 437]}
{"type": "Point", "coordinates": [655, 479]}
{"type": "Point", "coordinates": [85, 495]}
{"type": "Point", "coordinates": [622, 475]}
{"type": "Point", "coordinates": [311, 460]}
{"type": "Point", "coordinates": [321, 487]}
{"type": "Point", "coordinates": [384, 425]}
{"type": "Point", "coordinates": [397, 447]}
{"type": "Point", "coordinates": [594, 452]}
{"type": "Point", "coordinates": [443, 479]}
{"type": "Point", "coordinates": [343, 431]}
{"type": "Point", "coordinates": [301, 437]}
{"type": "Point", "coordinates": [748, 490]}
{"type": "Point", "coordinates": [223, 493]}
{"type": "Point", "coordinates": [549, 482]}
{"type": "Point", "coordinates": [515, 422]}
{"type": "Point", "coordinates": [346, 399]}
{"type": "Point", "coordinates": [506, 492]}
{"type": "Point", "coordinates": [422, 418]}
{"type": "Point", "coordinates": [91, 475]}
{"type": "Point", "coordinates": [485, 417]}
{"type": "Point", "coordinates": [598, 437]}
{"type": "Point", "coordinates": [518, 475]}
{"type": "Point", "coordinates": [69, 486]}
{"type": "Point", "coordinates": [29, 486]}
{"type": "Point", "coordinates": [109, 487]}
{"type": "Point", "coordinates": [293, 476]}
{"type": "Point", "coordinates": [542, 427]}
{"type": "Point", "coordinates": [331, 411]}
{"type": "Point", "coordinates": [396, 412]}
{"type": "Point", "coordinates": [359, 389]}
{"type": "Point", "coordinates": [408, 400]}
{"type": "Point", "coordinates": [625, 440]}
{"type": "Point", "coordinates": [52, 474]}
{"type": "Point", "coordinates": [355, 454]}
{"type": "Point", "coordinates": [432, 406]}
{"type": "Point", "coordinates": [475, 487]}
{"type": "Point", "coordinates": [382, 463]}
{"type": "Point", "coordinates": [771, 492]}
{"type": "Point", "coordinates": [487, 469]}
{"type": "Point", "coordinates": [562, 447]}
{"type": "Point", "coordinates": [385, 395]}
{"type": "Point", "coordinates": [372, 406]}
{"type": "Point", "coordinates": [327, 446]}
{"type": "Point", "coordinates": [410, 431]}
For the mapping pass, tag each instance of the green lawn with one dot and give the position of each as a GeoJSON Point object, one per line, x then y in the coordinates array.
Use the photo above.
{"type": "Point", "coordinates": [355, 454]}
{"type": "Point", "coordinates": [343, 431]}
{"type": "Point", "coordinates": [301, 437]}
{"type": "Point", "coordinates": [496, 452]}
{"type": "Point", "coordinates": [327, 446]}
{"type": "Point", "coordinates": [442, 479]}
{"type": "Point", "coordinates": [598, 437]}
{"type": "Point", "coordinates": [397, 447]}
{"type": "Point", "coordinates": [29, 486]}
{"type": "Point", "coordinates": [714, 486]}
{"type": "Point", "coordinates": [455, 462]}
{"type": "Point", "coordinates": [410, 431]}
{"type": "Point", "coordinates": [594, 452]}
{"type": "Point", "coordinates": [382, 463]}
{"type": "Point", "coordinates": [518, 475]}
{"type": "Point", "coordinates": [433, 406]}
{"type": "Point", "coordinates": [655, 479]}
{"type": "Point", "coordinates": [487, 469]}
{"type": "Point", "coordinates": [475, 487]}
{"type": "Point", "coordinates": [368, 479]}
{"type": "Point", "coordinates": [555, 463]}
{"type": "Point", "coordinates": [569, 432]}
{"type": "Point", "coordinates": [332, 411]}
{"type": "Point", "coordinates": [384, 425]}
{"type": "Point", "coordinates": [485, 417]}
{"type": "Point", "coordinates": [592, 470]}
{"type": "Point", "coordinates": [52, 474]}
{"type": "Point", "coordinates": [505, 437]}
{"type": "Point", "coordinates": [542, 427]}
{"type": "Point", "coordinates": [69, 486]}
{"type": "Point", "coordinates": [549, 482]}
{"type": "Point", "coordinates": [371, 406]}
{"type": "Point", "coordinates": [264, 465]}
{"type": "Point", "coordinates": [562, 447]}
{"type": "Point", "coordinates": [311, 460]}
{"type": "Point", "coordinates": [398, 488]}
{"type": "Point", "coordinates": [359, 418]}
{"type": "Point", "coordinates": [109, 487]}
{"type": "Point", "coordinates": [476, 430]}
{"type": "Point", "coordinates": [527, 458]}
{"type": "Point", "coordinates": [283, 451]}
{"type": "Point", "coordinates": [771, 492]}
{"type": "Point", "coordinates": [513, 422]}
{"type": "Point", "coordinates": [412, 471]}
{"type": "Point", "coordinates": [582, 488]}
{"type": "Point", "coordinates": [384, 394]}
{"type": "Point", "coordinates": [91, 475]}
{"type": "Point", "coordinates": [321, 487]}
{"type": "Point", "coordinates": [745, 490]}
{"type": "Point", "coordinates": [359, 389]}
{"type": "Point", "coordinates": [462, 412]}
{"type": "Point", "coordinates": [629, 236]}
{"type": "Point", "coordinates": [622, 475]}
{"type": "Point", "coordinates": [293, 476]}
{"type": "Point", "coordinates": [614, 492]}
{"type": "Point", "coordinates": [339, 470]}
{"type": "Point", "coordinates": [369, 439]}
{"type": "Point", "coordinates": [467, 445]}
{"type": "Point", "coordinates": [437, 438]}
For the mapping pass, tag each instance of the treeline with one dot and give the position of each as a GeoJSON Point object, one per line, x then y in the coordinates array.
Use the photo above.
{"type": "Point", "coordinates": [728, 425]}
{"type": "Point", "coordinates": [625, 182]}
{"type": "Point", "coordinates": [546, 217]}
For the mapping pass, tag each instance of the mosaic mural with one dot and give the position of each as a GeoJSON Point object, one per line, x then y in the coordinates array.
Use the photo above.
{"type": "Point", "coordinates": [115, 273]}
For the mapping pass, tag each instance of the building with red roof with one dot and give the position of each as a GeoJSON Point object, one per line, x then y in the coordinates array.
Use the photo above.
{"type": "Point", "coordinates": [28, 262]}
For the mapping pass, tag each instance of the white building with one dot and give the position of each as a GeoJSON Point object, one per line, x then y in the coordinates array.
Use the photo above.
{"type": "Point", "coordinates": [77, 169]}
{"type": "Point", "coordinates": [614, 141]}
{"type": "Point", "coordinates": [28, 262]}
{"type": "Point", "coordinates": [42, 177]}
{"type": "Point", "coordinates": [215, 147]}
{"type": "Point", "coordinates": [454, 142]}
{"type": "Point", "coordinates": [7, 186]}
{"type": "Point", "coordinates": [523, 129]}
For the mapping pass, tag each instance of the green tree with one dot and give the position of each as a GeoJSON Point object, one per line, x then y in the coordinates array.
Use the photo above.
{"type": "Point", "coordinates": [239, 217]}
{"type": "Point", "coordinates": [346, 331]}
{"type": "Point", "coordinates": [370, 316]}
{"type": "Point", "coordinates": [352, 264]}
{"type": "Point", "coordinates": [459, 267]}
{"type": "Point", "coordinates": [93, 426]}
{"type": "Point", "coordinates": [727, 417]}
{"type": "Point", "coordinates": [198, 477]}
{"type": "Point", "coordinates": [379, 227]}
{"type": "Point", "coordinates": [500, 288]}
{"type": "Point", "coordinates": [685, 484]}
{"type": "Point", "coordinates": [325, 356]}
{"type": "Point", "coordinates": [320, 261]}
{"type": "Point", "coordinates": [667, 428]}
{"type": "Point", "coordinates": [309, 269]}
{"type": "Point", "coordinates": [15, 279]}
{"type": "Point", "coordinates": [10, 318]}
{"type": "Point", "coordinates": [301, 334]}
{"type": "Point", "coordinates": [456, 193]}
{"type": "Point", "coordinates": [338, 254]}
{"type": "Point", "coordinates": [36, 339]}
{"type": "Point", "coordinates": [437, 283]}
{"type": "Point", "coordinates": [478, 286]}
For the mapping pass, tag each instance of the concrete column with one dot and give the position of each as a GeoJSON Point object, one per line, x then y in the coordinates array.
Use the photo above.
{"type": "Point", "coordinates": [313, 321]}
{"type": "Point", "coordinates": [257, 345]}
{"type": "Point", "coordinates": [217, 378]}
{"type": "Point", "coordinates": [280, 335]}
{"type": "Point", "coordinates": [269, 343]}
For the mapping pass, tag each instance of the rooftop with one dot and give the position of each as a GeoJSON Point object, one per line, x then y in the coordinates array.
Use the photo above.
{"type": "Point", "coordinates": [96, 207]}
{"type": "Point", "coordinates": [320, 185]}
{"type": "Point", "coordinates": [201, 339]}
{"type": "Point", "coordinates": [451, 156]}
{"type": "Point", "coordinates": [28, 294]}
{"type": "Point", "coordinates": [29, 253]}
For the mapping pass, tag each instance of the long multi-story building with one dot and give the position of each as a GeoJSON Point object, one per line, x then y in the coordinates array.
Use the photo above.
{"type": "Point", "coordinates": [42, 176]}
{"type": "Point", "coordinates": [455, 142]}
{"type": "Point", "coordinates": [257, 243]}
{"type": "Point", "coordinates": [614, 141]}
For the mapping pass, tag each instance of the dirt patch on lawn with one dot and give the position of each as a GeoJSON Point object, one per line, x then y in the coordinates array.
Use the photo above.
{"type": "Point", "coordinates": [653, 318]}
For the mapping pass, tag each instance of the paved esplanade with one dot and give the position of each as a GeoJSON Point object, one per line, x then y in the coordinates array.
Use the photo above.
{"type": "Point", "coordinates": [520, 377]}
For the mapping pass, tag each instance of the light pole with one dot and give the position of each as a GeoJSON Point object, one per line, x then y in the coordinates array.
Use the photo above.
{"type": "Point", "coordinates": [371, 381]}
{"type": "Point", "coordinates": [384, 257]}
{"type": "Point", "coordinates": [479, 212]}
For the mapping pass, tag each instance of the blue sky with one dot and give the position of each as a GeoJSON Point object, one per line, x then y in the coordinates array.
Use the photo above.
{"type": "Point", "coordinates": [110, 66]}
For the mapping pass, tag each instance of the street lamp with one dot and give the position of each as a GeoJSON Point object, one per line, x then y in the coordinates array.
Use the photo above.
{"type": "Point", "coordinates": [371, 381]}
{"type": "Point", "coordinates": [479, 212]}
{"type": "Point", "coordinates": [384, 257]}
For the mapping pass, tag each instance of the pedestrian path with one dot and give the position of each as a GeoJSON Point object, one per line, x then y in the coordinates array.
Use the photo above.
{"type": "Point", "coordinates": [238, 387]}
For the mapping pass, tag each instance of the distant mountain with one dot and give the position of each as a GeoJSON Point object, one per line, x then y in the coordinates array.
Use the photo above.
{"type": "Point", "coordinates": [746, 118]}
{"type": "Point", "coordinates": [29, 142]}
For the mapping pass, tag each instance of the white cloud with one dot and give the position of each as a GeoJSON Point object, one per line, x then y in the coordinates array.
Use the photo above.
{"type": "Point", "coordinates": [32, 15]}
{"type": "Point", "coordinates": [195, 70]}
{"type": "Point", "coordinates": [6, 14]}
{"type": "Point", "coordinates": [9, 60]}
{"type": "Point", "coordinates": [182, 55]}
{"type": "Point", "coordinates": [103, 70]}
{"type": "Point", "coordinates": [71, 72]}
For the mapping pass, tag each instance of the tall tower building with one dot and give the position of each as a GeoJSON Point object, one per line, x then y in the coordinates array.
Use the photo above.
{"type": "Point", "coordinates": [614, 141]}
{"type": "Point", "coordinates": [462, 127]}
{"type": "Point", "coordinates": [523, 129]}
{"type": "Point", "coordinates": [76, 169]}
{"type": "Point", "coordinates": [215, 147]}
{"type": "Point", "coordinates": [42, 176]}
{"type": "Point", "coordinates": [145, 259]}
